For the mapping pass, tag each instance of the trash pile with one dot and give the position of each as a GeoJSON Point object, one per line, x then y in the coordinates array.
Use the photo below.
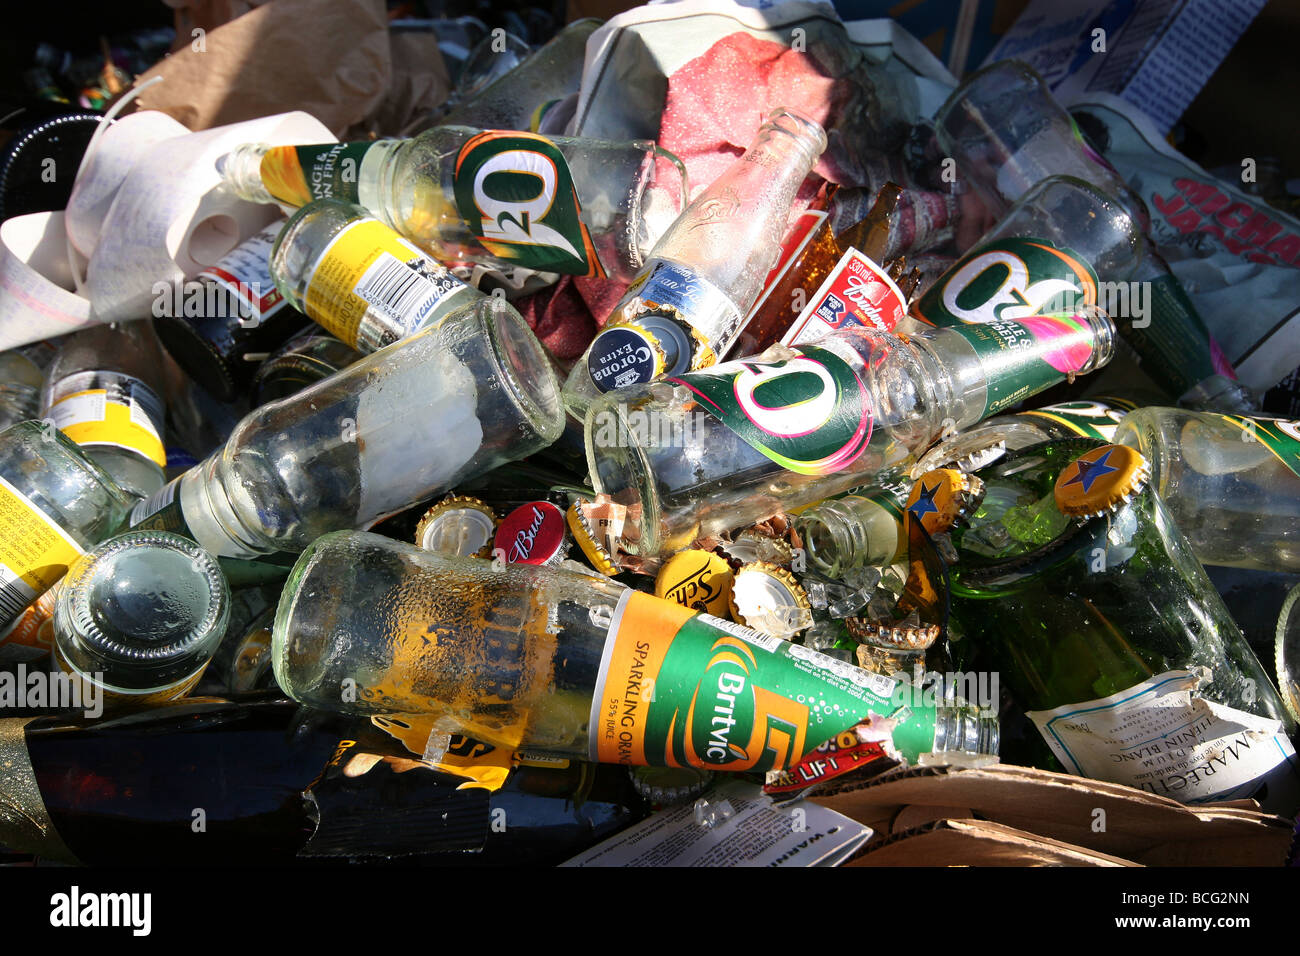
{"type": "Point", "coordinates": [635, 443]}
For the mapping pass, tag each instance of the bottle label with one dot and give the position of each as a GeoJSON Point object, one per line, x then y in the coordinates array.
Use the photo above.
{"type": "Point", "coordinates": [811, 414]}
{"type": "Point", "coordinates": [34, 552]}
{"type": "Point", "coordinates": [679, 688]}
{"type": "Point", "coordinates": [119, 699]}
{"type": "Point", "coordinates": [160, 511]}
{"type": "Point", "coordinates": [1016, 279]}
{"type": "Point", "coordinates": [246, 274]}
{"type": "Point", "coordinates": [31, 636]}
{"type": "Point", "coordinates": [1025, 356]}
{"type": "Point", "coordinates": [856, 293]}
{"type": "Point", "coordinates": [1278, 435]}
{"type": "Point", "coordinates": [371, 285]}
{"type": "Point", "coordinates": [295, 175]}
{"type": "Point", "coordinates": [110, 410]}
{"type": "Point", "coordinates": [664, 298]}
{"type": "Point", "coordinates": [516, 193]}
{"type": "Point", "coordinates": [1173, 343]}
{"type": "Point", "coordinates": [792, 247]}
{"type": "Point", "coordinates": [1160, 737]}
{"type": "Point", "coordinates": [1090, 419]}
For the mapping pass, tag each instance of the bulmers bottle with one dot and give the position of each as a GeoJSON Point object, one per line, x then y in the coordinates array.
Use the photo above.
{"type": "Point", "coordinates": [1075, 579]}
{"type": "Point", "coordinates": [393, 429]}
{"type": "Point", "coordinates": [561, 662]}
{"type": "Point", "coordinates": [56, 503]}
{"type": "Point", "coordinates": [687, 302]}
{"type": "Point", "coordinates": [720, 449]}
{"type": "Point", "coordinates": [1231, 483]}
{"type": "Point", "coordinates": [103, 391]}
{"type": "Point", "coordinates": [499, 197]}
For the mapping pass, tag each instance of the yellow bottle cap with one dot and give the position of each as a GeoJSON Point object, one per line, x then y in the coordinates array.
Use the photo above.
{"type": "Point", "coordinates": [942, 497]}
{"type": "Point", "coordinates": [595, 552]}
{"type": "Point", "coordinates": [697, 579]}
{"type": "Point", "coordinates": [457, 525]}
{"type": "Point", "coordinates": [1101, 480]}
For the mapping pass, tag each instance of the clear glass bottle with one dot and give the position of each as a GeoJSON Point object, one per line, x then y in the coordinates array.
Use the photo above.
{"type": "Point", "coordinates": [688, 301]}
{"type": "Point", "coordinates": [1231, 483]}
{"type": "Point", "coordinates": [20, 389]}
{"type": "Point", "coordinates": [722, 449]}
{"type": "Point", "coordinates": [55, 504]}
{"type": "Point", "coordinates": [103, 390]}
{"type": "Point", "coordinates": [552, 660]}
{"type": "Point", "coordinates": [1008, 133]}
{"type": "Point", "coordinates": [363, 282]}
{"type": "Point", "coordinates": [853, 531]}
{"type": "Point", "coordinates": [140, 617]}
{"type": "Point", "coordinates": [393, 429]}
{"type": "Point", "coordinates": [498, 197]}
{"type": "Point", "coordinates": [1073, 576]}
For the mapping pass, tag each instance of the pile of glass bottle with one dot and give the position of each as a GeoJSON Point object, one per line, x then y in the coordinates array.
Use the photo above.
{"type": "Point", "coordinates": [729, 493]}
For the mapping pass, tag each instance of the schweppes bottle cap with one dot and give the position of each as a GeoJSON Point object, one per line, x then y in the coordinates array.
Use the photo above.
{"type": "Point", "coordinates": [1101, 480]}
{"type": "Point", "coordinates": [942, 497]}
{"type": "Point", "coordinates": [457, 525]}
{"type": "Point", "coordinates": [697, 579]}
{"type": "Point", "coordinates": [761, 589]}
{"type": "Point", "coordinates": [594, 551]}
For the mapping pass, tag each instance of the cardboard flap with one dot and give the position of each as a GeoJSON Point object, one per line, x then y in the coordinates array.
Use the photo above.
{"type": "Point", "coordinates": [977, 843]}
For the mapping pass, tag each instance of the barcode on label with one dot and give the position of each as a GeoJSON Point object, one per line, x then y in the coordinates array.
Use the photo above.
{"type": "Point", "coordinates": [401, 293]}
{"type": "Point", "coordinates": [15, 596]}
{"type": "Point", "coordinates": [748, 634]}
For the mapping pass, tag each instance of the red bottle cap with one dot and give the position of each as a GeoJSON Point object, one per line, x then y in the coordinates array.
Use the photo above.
{"type": "Point", "coordinates": [532, 534]}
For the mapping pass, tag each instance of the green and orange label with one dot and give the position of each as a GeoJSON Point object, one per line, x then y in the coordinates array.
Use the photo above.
{"type": "Point", "coordinates": [678, 688]}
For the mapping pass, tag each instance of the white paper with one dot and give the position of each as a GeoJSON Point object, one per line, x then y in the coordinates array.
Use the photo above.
{"type": "Point", "coordinates": [797, 834]}
{"type": "Point", "coordinates": [36, 297]}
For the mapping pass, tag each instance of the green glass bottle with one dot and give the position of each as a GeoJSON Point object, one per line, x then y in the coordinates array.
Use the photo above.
{"type": "Point", "coordinates": [1073, 577]}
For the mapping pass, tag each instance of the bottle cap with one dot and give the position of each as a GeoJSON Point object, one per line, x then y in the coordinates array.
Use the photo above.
{"type": "Point", "coordinates": [624, 354]}
{"type": "Point", "coordinates": [750, 546]}
{"type": "Point", "coordinates": [457, 525]}
{"type": "Point", "coordinates": [761, 589]}
{"type": "Point", "coordinates": [968, 451]}
{"type": "Point", "coordinates": [898, 635]}
{"type": "Point", "coordinates": [580, 528]}
{"type": "Point", "coordinates": [942, 497]}
{"type": "Point", "coordinates": [533, 534]}
{"type": "Point", "coordinates": [697, 579]}
{"type": "Point", "coordinates": [1101, 480]}
{"type": "Point", "coordinates": [669, 786]}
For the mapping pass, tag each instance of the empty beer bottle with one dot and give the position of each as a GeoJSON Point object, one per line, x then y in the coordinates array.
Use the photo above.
{"type": "Point", "coordinates": [1232, 483]}
{"type": "Point", "coordinates": [1074, 578]}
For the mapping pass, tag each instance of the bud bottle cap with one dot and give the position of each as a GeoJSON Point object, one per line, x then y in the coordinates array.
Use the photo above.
{"type": "Point", "coordinates": [942, 497]}
{"type": "Point", "coordinates": [697, 579]}
{"type": "Point", "coordinates": [533, 534]}
{"type": "Point", "coordinates": [457, 525]}
{"type": "Point", "coordinates": [1101, 480]}
{"type": "Point", "coordinates": [580, 528]}
{"type": "Point", "coordinates": [761, 589]}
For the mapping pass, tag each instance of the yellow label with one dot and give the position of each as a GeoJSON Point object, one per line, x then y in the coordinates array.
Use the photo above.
{"type": "Point", "coordinates": [368, 268]}
{"type": "Point", "coordinates": [34, 552]}
{"type": "Point", "coordinates": [109, 409]}
{"type": "Point", "coordinates": [283, 177]}
{"type": "Point", "coordinates": [34, 629]}
{"type": "Point", "coordinates": [482, 765]}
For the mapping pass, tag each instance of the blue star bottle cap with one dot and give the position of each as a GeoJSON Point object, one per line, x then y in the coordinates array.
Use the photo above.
{"type": "Point", "coordinates": [1101, 480]}
{"type": "Point", "coordinates": [944, 496]}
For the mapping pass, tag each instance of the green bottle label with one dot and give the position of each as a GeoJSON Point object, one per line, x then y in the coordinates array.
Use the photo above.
{"type": "Point", "coordinates": [1090, 419]}
{"type": "Point", "coordinates": [1023, 357]}
{"type": "Point", "coordinates": [1016, 279]}
{"type": "Point", "coordinates": [1278, 435]}
{"type": "Point", "coordinates": [811, 414]}
{"type": "Point", "coordinates": [1175, 346]}
{"type": "Point", "coordinates": [516, 193]}
{"type": "Point", "coordinates": [678, 688]}
{"type": "Point", "coordinates": [296, 175]}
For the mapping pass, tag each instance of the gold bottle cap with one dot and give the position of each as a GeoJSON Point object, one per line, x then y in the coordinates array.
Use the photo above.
{"type": "Point", "coordinates": [752, 545]}
{"type": "Point", "coordinates": [1101, 480]}
{"type": "Point", "coordinates": [761, 590]}
{"type": "Point", "coordinates": [457, 525]}
{"type": "Point", "coordinates": [580, 528]}
{"type": "Point", "coordinates": [697, 579]}
{"type": "Point", "coordinates": [942, 497]}
{"type": "Point", "coordinates": [903, 637]}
